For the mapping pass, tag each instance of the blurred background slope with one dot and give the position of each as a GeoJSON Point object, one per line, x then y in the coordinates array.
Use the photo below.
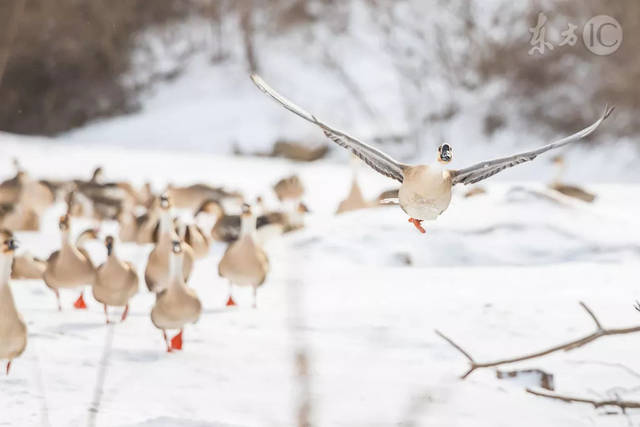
{"type": "Point", "coordinates": [407, 74]}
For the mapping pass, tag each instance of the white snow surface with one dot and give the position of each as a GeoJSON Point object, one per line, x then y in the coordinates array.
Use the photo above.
{"type": "Point", "coordinates": [502, 274]}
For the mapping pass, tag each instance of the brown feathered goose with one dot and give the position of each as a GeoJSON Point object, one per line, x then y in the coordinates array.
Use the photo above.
{"type": "Point", "coordinates": [245, 263]}
{"type": "Point", "coordinates": [116, 281]}
{"type": "Point", "coordinates": [177, 305]}
{"type": "Point", "coordinates": [13, 329]}
{"type": "Point", "coordinates": [70, 266]}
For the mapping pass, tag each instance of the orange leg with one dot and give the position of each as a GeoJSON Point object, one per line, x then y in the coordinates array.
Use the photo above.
{"type": "Point", "coordinates": [176, 342]}
{"type": "Point", "coordinates": [8, 366]}
{"type": "Point", "coordinates": [418, 224]}
{"type": "Point", "coordinates": [230, 301]}
{"type": "Point", "coordinates": [125, 313]}
{"type": "Point", "coordinates": [80, 304]}
{"type": "Point", "coordinates": [106, 313]}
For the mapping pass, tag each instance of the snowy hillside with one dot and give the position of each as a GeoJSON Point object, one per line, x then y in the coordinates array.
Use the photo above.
{"type": "Point", "coordinates": [214, 107]}
{"type": "Point", "coordinates": [501, 273]}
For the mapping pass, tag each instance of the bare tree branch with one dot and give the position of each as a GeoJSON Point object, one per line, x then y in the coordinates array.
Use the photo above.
{"type": "Point", "coordinates": [598, 333]}
{"type": "Point", "coordinates": [622, 404]}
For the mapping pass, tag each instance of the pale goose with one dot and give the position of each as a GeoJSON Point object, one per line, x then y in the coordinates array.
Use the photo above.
{"type": "Point", "coordinates": [116, 281]}
{"type": "Point", "coordinates": [567, 189]}
{"type": "Point", "coordinates": [244, 263]}
{"type": "Point", "coordinates": [157, 272]}
{"type": "Point", "coordinates": [13, 329]}
{"type": "Point", "coordinates": [355, 199]}
{"type": "Point", "coordinates": [177, 305]}
{"type": "Point", "coordinates": [426, 189]}
{"type": "Point", "coordinates": [70, 266]}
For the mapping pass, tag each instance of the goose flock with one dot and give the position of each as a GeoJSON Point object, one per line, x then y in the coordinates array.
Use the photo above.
{"type": "Point", "coordinates": [144, 219]}
{"type": "Point", "coordinates": [216, 214]}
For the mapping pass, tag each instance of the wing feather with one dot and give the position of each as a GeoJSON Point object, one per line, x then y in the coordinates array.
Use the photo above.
{"type": "Point", "coordinates": [484, 170]}
{"type": "Point", "coordinates": [376, 159]}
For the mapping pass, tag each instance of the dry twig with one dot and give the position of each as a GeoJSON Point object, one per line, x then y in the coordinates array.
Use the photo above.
{"type": "Point", "coordinates": [598, 333]}
{"type": "Point", "coordinates": [622, 404]}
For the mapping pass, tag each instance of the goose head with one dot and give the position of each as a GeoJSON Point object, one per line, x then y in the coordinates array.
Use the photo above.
{"type": "Point", "coordinates": [246, 211]}
{"type": "Point", "coordinates": [9, 245]}
{"type": "Point", "coordinates": [176, 247]}
{"type": "Point", "coordinates": [108, 242]}
{"type": "Point", "coordinates": [445, 153]}
{"type": "Point", "coordinates": [63, 223]}
{"type": "Point", "coordinates": [165, 202]}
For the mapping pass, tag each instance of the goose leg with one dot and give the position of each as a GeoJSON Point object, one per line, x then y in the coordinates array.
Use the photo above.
{"type": "Point", "coordinates": [166, 340]}
{"type": "Point", "coordinates": [106, 313]}
{"type": "Point", "coordinates": [125, 313]}
{"type": "Point", "coordinates": [58, 299]}
{"type": "Point", "coordinates": [418, 224]}
{"type": "Point", "coordinates": [255, 297]}
{"type": "Point", "coordinates": [176, 342]}
{"type": "Point", "coordinates": [8, 366]}
{"type": "Point", "coordinates": [80, 304]}
{"type": "Point", "coordinates": [230, 301]}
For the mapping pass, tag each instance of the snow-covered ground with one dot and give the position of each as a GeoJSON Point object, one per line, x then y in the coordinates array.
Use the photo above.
{"type": "Point", "coordinates": [501, 273]}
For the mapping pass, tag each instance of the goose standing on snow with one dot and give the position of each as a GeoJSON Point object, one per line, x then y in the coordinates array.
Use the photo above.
{"type": "Point", "coordinates": [567, 189]}
{"type": "Point", "coordinates": [426, 189]}
{"type": "Point", "coordinates": [157, 272]}
{"type": "Point", "coordinates": [289, 189]}
{"type": "Point", "coordinates": [355, 200]}
{"type": "Point", "coordinates": [116, 281]}
{"type": "Point", "coordinates": [13, 329]}
{"type": "Point", "coordinates": [70, 266]}
{"type": "Point", "coordinates": [177, 305]}
{"type": "Point", "coordinates": [244, 263]}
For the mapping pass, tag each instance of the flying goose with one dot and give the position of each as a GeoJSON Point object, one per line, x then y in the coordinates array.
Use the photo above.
{"type": "Point", "coordinates": [70, 266]}
{"type": "Point", "coordinates": [245, 263]}
{"type": "Point", "coordinates": [177, 304]}
{"type": "Point", "coordinates": [13, 329]}
{"type": "Point", "coordinates": [116, 281]}
{"type": "Point", "coordinates": [426, 189]}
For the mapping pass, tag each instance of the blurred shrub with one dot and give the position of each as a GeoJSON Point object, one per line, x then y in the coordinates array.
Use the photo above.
{"type": "Point", "coordinates": [566, 86]}
{"type": "Point", "coordinates": [67, 57]}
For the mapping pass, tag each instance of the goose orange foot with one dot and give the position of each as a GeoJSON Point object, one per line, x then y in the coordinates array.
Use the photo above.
{"type": "Point", "coordinates": [80, 304]}
{"type": "Point", "coordinates": [176, 342]}
{"type": "Point", "coordinates": [418, 224]}
{"type": "Point", "coordinates": [230, 302]}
